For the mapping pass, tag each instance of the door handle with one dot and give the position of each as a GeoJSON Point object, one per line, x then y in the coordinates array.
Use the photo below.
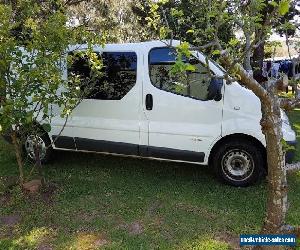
{"type": "Point", "coordinates": [149, 102]}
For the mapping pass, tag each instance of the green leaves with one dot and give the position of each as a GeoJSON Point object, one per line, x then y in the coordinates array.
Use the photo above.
{"type": "Point", "coordinates": [163, 32]}
{"type": "Point", "coordinates": [184, 49]}
{"type": "Point", "coordinates": [190, 67]}
{"type": "Point", "coordinates": [181, 66]}
{"type": "Point", "coordinates": [273, 3]}
{"type": "Point", "coordinates": [29, 117]}
{"type": "Point", "coordinates": [286, 147]}
{"type": "Point", "coordinates": [33, 48]}
{"type": "Point", "coordinates": [190, 31]}
{"type": "Point", "coordinates": [233, 42]}
{"type": "Point", "coordinates": [283, 7]}
{"type": "Point", "coordinates": [216, 52]}
{"type": "Point", "coordinates": [30, 23]}
{"type": "Point", "coordinates": [177, 13]}
{"type": "Point", "coordinates": [46, 127]}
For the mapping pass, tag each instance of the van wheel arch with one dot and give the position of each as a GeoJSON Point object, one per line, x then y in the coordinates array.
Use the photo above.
{"type": "Point", "coordinates": [239, 137]}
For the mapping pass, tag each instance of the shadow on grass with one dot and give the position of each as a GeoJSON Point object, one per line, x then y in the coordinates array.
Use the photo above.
{"type": "Point", "coordinates": [129, 165]}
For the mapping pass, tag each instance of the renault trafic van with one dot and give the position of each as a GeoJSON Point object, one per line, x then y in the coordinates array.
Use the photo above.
{"type": "Point", "coordinates": [139, 109]}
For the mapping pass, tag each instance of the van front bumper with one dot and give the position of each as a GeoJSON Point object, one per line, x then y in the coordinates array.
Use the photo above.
{"type": "Point", "coordinates": [290, 154]}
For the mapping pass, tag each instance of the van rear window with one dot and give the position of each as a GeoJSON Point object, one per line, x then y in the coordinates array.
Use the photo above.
{"type": "Point", "coordinates": [117, 78]}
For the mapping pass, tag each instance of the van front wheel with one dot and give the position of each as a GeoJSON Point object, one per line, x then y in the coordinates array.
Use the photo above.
{"type": "Point", "coordinates": [238, 163]}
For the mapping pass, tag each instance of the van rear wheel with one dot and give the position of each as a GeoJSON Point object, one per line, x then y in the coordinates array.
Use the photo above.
{"type": "Point", "coordinates": [238, 163]}
{"type": "Point", "coordinates": [45, 145]}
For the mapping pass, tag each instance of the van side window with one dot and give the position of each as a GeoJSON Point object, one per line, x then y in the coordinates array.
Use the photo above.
{"type": "Point", "coordinates": [117, 78]}
{"type": "Point", "coordinates": [192, 84]}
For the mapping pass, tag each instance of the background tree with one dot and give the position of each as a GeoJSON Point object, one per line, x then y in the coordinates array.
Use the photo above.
{"type": "Point", "coordinates": [186, 19]}
{"type": "Point", "coordinates": [112, 18]}
{"type": "Point", "coordinates": [230, 55]}
{"type": "Point", "coordinates": [277, 25]}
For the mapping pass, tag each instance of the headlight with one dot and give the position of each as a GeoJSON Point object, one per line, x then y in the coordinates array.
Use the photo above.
{"type": "Point", "coordinates": [284, 117]}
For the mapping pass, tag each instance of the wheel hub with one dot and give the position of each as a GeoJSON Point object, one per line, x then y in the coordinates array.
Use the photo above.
{"type": "Point", "coordinates": [237, 165]}
{"type": "Point", "coordinates": [30, 143]}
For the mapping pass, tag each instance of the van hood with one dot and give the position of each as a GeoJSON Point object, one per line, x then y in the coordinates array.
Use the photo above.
{"type": "Point", "coordinates": [243, 99]}
{"type": "Point", "coordinates": [248, 104]}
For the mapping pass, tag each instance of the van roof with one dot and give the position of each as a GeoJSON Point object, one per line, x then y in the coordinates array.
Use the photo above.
{"type": "Point", "coordinates": [152, 42]}
{"type": "Point", "coordinates": [129, 46]}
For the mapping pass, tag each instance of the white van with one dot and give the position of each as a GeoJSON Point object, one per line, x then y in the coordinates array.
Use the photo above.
{"type": "Point", "coordinates": [139, 109]}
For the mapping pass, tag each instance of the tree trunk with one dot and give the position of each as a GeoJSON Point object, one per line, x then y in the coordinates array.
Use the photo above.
{"type": "Point", "coordinates": [248, 52]}
{"type": "Point", "coordinates": [277, 183]}
{"type": "Point", "coordinates": [272, 128]}
{"type": "Point", "coordinates": [18, 152]}
{"type": "Point", "coordinates": [257, 62]}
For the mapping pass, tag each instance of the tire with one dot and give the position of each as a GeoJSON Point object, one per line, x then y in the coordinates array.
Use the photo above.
{"type": "Point", "coordinates": [47, 149]}
{"type": "Point", "coordinates": [238, 162]}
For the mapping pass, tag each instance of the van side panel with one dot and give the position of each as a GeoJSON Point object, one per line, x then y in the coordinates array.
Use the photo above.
{"type": "Point", "coordinates": [108, 120]}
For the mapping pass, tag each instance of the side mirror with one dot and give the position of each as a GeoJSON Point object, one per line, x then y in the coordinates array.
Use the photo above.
{"type": "Point", "coordinates": [215, 89]}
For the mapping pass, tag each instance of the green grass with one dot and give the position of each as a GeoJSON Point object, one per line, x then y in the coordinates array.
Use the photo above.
{"type": "Point", "coordinates": [295, 119]}
{"type": "Point", "coordinates": [123, 203]}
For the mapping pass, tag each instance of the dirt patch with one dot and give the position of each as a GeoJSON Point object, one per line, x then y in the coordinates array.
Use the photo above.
{"type": "Point", "coordinates": [88, 241]}
{"type": "Point", "coordinates": [6, 233]}
{"type": "Point", "coordinates": [44, 247]}
{"type": "Point", "coordinates": [101, 242]}
{"type": "Point", "coordinates": [157, 221]}
{"type": "Point", "coordinates": [7, 182]}
{"type": "Point", "coordinates": [154, 207]}
{"type": "Point", "coordinates": [196, 210]}
{"type": "Point", "coordinates": [5, 199]}
{"type": "Point", "coordinates": [297, 231]}
{"type": "Point", "coordinates": [33, 186]}
{"type": "Point", "coordinates": [10, 220]}
{"type": "Point", "coordinates": [47, 193]}
{"type": "Point", "coordinates": [88, 217]}
{"type": "Point", "coordinates": [135, 228]}
{"type": "Point", "coordinates": [7, 225]}
{"type": "Point", "coordinates": [232, 240]}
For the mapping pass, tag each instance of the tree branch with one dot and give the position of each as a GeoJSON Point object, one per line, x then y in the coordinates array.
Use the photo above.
{"type": "Point", "coordinates": [73, 2]}
{"type": "Point", "coordinates": [206, 46]}
{"type": "Point", "coordinates": [289, 104]}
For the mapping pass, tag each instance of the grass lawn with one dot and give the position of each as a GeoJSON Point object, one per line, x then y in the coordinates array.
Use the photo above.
{"type": "Point", "coordinates": [98, 202]}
